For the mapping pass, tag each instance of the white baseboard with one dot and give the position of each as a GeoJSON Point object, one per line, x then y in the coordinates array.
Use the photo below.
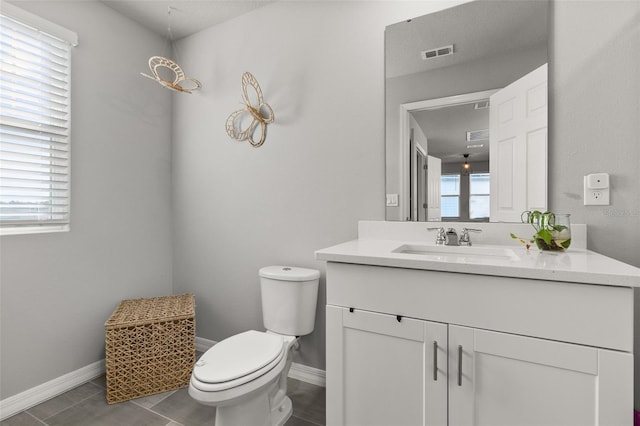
{"type": "Point", "coordinates": [36, 395]}
{"type": "Point", "coordinates": [304, 373]}
{"type": "Point", "coordinates": [301, 372]}
{"type": "Point", "coordinates": [52, 388]}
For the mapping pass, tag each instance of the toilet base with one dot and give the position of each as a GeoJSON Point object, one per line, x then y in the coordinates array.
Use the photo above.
{"type": "Point", "coordinates": [254, 412]}
{"type": "Point", "coordinates": [280, 414]}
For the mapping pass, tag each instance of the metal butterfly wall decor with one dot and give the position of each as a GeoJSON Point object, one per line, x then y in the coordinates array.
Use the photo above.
{"type": "Point", "coordinates": [180, 83]}
{"type": "Point", "coordinates": [259, 113]}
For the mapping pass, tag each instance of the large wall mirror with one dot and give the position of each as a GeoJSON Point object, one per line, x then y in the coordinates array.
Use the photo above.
{"type": "Point", "coordinates": [466, 112]}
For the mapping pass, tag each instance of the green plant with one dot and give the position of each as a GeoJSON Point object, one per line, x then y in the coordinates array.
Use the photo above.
{"type": "Point", "coordinates": [549, 234]}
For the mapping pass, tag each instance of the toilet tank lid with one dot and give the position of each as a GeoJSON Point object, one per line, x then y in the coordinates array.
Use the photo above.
{"type": "Point", "coordinates": [289, 273]}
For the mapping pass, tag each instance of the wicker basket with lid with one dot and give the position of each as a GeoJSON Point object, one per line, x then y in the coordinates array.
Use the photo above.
{"type": "Point", "coordinates": [150, 346]}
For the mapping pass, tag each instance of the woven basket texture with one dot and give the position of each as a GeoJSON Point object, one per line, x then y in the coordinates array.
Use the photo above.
{"type": "Point", "coordinates": [150, 346]}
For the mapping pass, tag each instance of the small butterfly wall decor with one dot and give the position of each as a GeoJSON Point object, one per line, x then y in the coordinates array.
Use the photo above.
{"type": "Point", "coordinates": [180, 83]}
{"type": "Point", "coordinates": [259, 113]}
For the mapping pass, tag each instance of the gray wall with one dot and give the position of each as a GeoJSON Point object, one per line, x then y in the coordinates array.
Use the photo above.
{"type": "Point", "coordinates": [57, 290]}
{"type": "Point", "coordinates": [595, 119]}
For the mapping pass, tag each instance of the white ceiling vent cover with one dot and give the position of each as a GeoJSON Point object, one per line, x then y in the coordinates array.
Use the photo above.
{"type": "Point", "coordinates": [478, 135]}
{"type": "Point", "coordinates": [438, 52]}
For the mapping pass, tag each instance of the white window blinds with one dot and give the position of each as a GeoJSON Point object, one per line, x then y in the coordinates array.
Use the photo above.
{"type": "Point", "coordinates": [34, 122]}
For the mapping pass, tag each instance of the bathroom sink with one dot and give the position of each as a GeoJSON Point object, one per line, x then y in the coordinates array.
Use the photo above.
{"type": "Point", "coordinates": [458, 253]}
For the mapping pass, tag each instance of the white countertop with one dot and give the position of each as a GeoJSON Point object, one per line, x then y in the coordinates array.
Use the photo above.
{"type": "Point", "coordinates": [574, 265]}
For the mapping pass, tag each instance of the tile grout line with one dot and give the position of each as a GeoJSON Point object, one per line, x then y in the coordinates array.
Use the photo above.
{"type": "Point", "coordinates": [37, 419]}
{"type": "Point", "coordinates": [157, 402]}
{"type": "Point", "coordinates": [150, 409]}
{"type": "Point", "coordinates": [158, 414]}
{"type": "Point", "coordinates": [44, 420]}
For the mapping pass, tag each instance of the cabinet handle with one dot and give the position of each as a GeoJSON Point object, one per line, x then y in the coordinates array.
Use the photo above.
{"type": "Point", "coordinates": [435, 361]}
{"type": "Point", "coordinates": [459, 365]}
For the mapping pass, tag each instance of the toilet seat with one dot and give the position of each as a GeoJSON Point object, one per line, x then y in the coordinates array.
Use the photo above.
{"type": "Point", "coordinates": [238, 360]}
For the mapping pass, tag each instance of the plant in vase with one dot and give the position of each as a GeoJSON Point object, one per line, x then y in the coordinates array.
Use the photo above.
{"type": "Point", "coordinates": [553, 231]}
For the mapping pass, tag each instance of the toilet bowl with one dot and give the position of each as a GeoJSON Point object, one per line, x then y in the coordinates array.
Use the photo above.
{"type": "Point", "coordinates": [245, 375]}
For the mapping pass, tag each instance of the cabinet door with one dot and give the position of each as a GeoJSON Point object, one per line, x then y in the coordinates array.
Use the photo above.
{"type": "Point", "coordinates": [385, 370]}
{"type": "Point", "coordinates": [503, 379]}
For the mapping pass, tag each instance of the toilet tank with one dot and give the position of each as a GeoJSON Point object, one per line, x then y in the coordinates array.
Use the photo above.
{"type": "Point", "coordinates": [289, 296]}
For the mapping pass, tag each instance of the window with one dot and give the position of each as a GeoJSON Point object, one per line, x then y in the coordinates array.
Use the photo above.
{"type": "Point", "coordinates": [450, 195]}
{"type": "Point", "coordinates": [35, 82]}
{"type": "Point", "coordinates": [478, 195]}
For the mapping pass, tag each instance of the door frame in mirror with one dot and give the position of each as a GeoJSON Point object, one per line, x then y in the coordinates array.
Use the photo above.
{"type": "Point", "coordinates": [405, 133]}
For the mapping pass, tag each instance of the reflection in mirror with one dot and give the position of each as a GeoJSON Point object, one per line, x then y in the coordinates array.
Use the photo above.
{"type": "Point", "coordinates": [454, 156]}
{"type": "Point", "coordinates": [439, 109]}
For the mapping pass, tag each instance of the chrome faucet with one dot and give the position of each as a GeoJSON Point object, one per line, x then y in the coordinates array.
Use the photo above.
{"type": "Point", "coordinates": [440, 237]}
{"type": "Point", "coordinates": [451, 238]}
{"type": "Point", "coordinates": [465, 240]}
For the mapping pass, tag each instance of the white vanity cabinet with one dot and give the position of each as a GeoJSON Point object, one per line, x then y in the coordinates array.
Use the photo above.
{"type": "Point", "coordinates": [422, 347]}
{"type": "Point", "coordinates": [385, 370]}
{"type": "Point", "coordinates": [505, 379]}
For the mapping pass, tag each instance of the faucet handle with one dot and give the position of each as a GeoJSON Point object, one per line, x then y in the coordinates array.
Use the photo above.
{"type": "Point", "coordinates": [465, 240]}
{"type": "Point", "coordinates": [440, 238]}
{"type": "Point", "coordinates": [465, 230]}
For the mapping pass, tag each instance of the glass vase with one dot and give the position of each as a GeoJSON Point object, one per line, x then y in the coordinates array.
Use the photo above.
{"type": "Point", "coordinates": [559, 227]}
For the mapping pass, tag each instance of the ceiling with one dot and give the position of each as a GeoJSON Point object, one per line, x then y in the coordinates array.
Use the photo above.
{"type": "Point", "coordinates": [447, 128]}
{"type": "Point", "coordinates": [187, 16]}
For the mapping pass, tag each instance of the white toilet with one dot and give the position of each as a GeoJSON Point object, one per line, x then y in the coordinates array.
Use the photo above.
{"type": "Point", "coordinates": [245, 376]}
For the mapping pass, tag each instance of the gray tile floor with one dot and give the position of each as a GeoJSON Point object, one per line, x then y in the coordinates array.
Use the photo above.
{"type": "Point", "coordinates": [87, 405]}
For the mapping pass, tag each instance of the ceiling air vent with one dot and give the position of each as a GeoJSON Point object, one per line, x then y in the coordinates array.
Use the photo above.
{"type": "Point", "coordinates": [436, 53]}
{"type": "Point", "coordinates": [481, 105]}
{"type": "Point", "coordinates": [478, 135]}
